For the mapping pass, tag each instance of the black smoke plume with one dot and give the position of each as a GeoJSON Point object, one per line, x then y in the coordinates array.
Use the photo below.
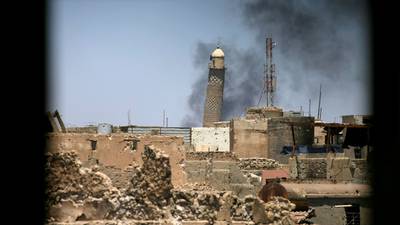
{"type": "Point", "coordinates": [318, 42]}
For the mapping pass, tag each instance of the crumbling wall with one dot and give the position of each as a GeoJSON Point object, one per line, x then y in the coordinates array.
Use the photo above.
{"type": "Point", "coordinates": [210, 139]}
{"type": "Point", "coordinates": [110, 150]}
{"type": "Point", "coordinates": [308, 168]}
{"type": "Point", "coordinates": [75, 192]}
{"type": "Point", "coordinates": [338, 169]}
{"type": "Point", "coordinates": [174, 148]}
{"type": "Point", "coordinates": [222, 156]}
{"type": "Point", "coordinates": [331, 168]}
{"type": "Point", "coordinates": [120, 177]}
{"type": "Point", "coordinates": [119, 150]}
{"type": "Point", "coordinates": [257, 163]}
{"type": "Point", "coordinates": [78, 193]}
{"type": "Point", "coordinates": [249, 138]}
{"type": "Point", "coordinates": [150, 189]}
{"type": "Point", "coordinates": [84, 194]}
{"type": "Point", "coordinates": [222, 175]}
{"type": "Point", "coordinates": [359, 170]}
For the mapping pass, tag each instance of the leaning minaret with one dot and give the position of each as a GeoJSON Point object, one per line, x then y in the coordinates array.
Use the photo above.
{"type": "Point", "coordinates": [215, 88]}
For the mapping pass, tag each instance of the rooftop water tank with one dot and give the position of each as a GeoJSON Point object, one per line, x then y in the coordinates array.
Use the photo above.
{"type": "Point", "coordinates": [104, 128]}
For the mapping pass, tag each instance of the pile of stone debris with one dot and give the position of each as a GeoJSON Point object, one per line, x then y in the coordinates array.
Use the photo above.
{"type": "Point", "coordinates": [278, 209]}
{"type": "Point", "coordinates": [149, 191]}
{"type": "Point", "coordinates": [76, 193]}
{"type": "Point", "coordinates": [203, 186]}
{"type": "Point", "coordinates": [193, 205]}
{"type": "Point", "coordinates": [257, 163]}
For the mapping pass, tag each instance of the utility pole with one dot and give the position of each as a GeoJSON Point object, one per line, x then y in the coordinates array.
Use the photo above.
{"type": "Point", "coordinates": [309, 107]}
{"type": "Point", "coordinates": [293, 139]}
{"type": "Point", "coordinates": [129, 117]}
{"type": "Point", "coordinates": [163, 121]}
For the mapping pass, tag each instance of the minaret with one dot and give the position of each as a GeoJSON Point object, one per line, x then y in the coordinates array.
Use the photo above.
{"type": "Point", "coordinates": [215, 88]}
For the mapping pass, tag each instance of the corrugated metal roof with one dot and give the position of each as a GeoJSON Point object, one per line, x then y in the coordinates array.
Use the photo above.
{"type": "Point", "coordinates": [167, 131]}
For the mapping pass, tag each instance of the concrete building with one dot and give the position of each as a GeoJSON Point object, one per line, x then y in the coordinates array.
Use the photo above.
{"type": "Point", "coordinates": [356, 119]}
{"type": "Point", "coordinates": [215, 88]}
{"type": "Point", "coordinates": [334, 203]}
{"type": "Point", "coordinates": [265, 131]}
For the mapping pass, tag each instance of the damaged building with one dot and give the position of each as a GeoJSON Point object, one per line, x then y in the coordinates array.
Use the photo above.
{"type": "Point", "coordinates": [268, 167]}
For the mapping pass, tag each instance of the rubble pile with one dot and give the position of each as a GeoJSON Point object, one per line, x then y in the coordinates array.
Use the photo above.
{"type": "Point", "coordinates": [194, 205]}
{"type": "Point", "coordinates": [242, 209]}
{"type": "Point", "coordinates": [79, 192]}
{"type": "Point", "coordinates": [278, 210]}
{"type": "Point", "coordinates": [203, 186]}
{"type": "Point", "coordinates": [253, 178]}
{"type": "Point", "coordinates": [149, 192]}
{"type": "Point", "coordinates": [257, 163]}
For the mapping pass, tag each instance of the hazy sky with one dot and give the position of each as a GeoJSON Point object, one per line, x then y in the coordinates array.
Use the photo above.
{"type": "Point", "coordinates": [111, 56]}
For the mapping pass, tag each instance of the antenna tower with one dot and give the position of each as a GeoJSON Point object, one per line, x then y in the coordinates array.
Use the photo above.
{"type": "Point", "coordinates": [269, 73]}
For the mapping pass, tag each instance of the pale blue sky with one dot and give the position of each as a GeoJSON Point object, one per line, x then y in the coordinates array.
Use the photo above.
{"type": "Point", "coordinates": [111, 56]}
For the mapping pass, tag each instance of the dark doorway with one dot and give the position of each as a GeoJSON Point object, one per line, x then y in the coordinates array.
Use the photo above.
{"type": "Point", "coordinates": [352, 215]}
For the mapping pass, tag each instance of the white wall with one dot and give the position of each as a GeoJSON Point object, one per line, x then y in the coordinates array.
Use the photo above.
{"type": "Point", "coordinates": [210, 139]}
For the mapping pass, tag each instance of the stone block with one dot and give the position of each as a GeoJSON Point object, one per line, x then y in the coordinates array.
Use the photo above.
{"type": "Point", "coordinates": [219, 179]}
{"type": "Point", "coordinates": [339, 169]}
{"type": "Point", "coordinates": [259, 213]}
{"type": "Point", "coordinates": [196, 176]}
{"type": "Point", "coordinates": [224, 213]}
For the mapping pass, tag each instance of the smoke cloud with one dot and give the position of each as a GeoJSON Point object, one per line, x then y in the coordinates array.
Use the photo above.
{"type": "Point", "coordinates": [318, 42]}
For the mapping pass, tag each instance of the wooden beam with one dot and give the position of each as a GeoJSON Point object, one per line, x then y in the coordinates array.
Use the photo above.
{"type": "Point", "coordinates": [52, 122]}
{"type": "Point", "coordinates": [60, 121]}
{"type": "Point", "coordinates": [294, 140]}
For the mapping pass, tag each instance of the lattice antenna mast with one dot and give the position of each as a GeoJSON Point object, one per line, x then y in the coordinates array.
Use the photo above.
{"type": "Point", "coordinates": [270, 76]}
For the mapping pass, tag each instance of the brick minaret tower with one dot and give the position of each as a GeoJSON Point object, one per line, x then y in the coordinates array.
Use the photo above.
{"type": "Point", "coordinates": [215, 88]}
